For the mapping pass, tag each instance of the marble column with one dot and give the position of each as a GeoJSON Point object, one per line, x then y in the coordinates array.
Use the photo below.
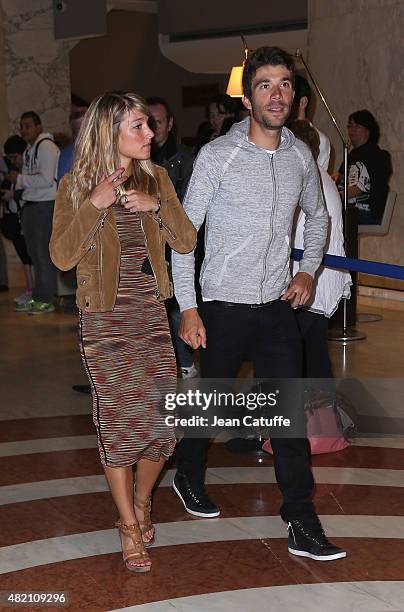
{"type": "Point", "coordinates": [35, 66]}
{"type": "Point", "coordinates": [355, 50]}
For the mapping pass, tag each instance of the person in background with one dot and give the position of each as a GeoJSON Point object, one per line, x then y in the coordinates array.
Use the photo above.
{"type": "Point", "coordinates": [178, 160]}
{"type": "Point", "coordinates": [369, 169]}
{"type": "Point", "coordinates": [65, 165]}
{"type": "Point", "coordinates": [14, 148]}
{"type": "Point", "coordinates": [330, 284]}
{"type": "Point", "coordinates": [221, 113]}
{"type": "Point", "coordinates": [300, 108]}
{"type": "Point", "coordinates": [67, 155]}
{"type": "Point", "coordinates": [114, 213]}
{"type": "Point", "coordinates": [38, 184]}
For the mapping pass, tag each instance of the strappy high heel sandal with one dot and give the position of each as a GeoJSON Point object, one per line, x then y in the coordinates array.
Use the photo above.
{"type": "Point", "coordinates": [135, 557]}
{"type": "Point", "coordinates": [146, 525]}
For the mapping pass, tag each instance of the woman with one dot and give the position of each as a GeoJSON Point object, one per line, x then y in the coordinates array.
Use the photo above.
{"type": "Point", "coordinates": [369, 169]}
{"type": "Point", "coordinates": [330, 285]}
{"type": "Point", "coordinates": [113, 215]}
{"type": "Point", "coordinates": [221, 112]}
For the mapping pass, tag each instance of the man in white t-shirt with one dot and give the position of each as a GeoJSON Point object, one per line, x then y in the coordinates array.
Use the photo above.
{"type": "Point", "coordinates": [37, 181]}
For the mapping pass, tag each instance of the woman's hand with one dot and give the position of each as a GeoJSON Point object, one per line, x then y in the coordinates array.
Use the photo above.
{"type": "Point", "coordinates": [106, 192]}
{"type": "Point", "coordinates": [137, 201]}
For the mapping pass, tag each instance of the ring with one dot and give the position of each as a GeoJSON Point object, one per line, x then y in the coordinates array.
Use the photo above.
{"type": "Point", "coordinates": [125, 198]}
{"type": "Point", "coordinates": [117, 191]}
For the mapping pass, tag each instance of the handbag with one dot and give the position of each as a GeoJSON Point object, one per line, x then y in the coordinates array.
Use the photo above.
{"type": "Point", "coordinates": [328, 424]}
{"type": "Point", "coordinates": [10, 226]}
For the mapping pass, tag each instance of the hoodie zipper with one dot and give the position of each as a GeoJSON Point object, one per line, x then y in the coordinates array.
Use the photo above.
{"type": "Point", "coordinates": [271, 163]}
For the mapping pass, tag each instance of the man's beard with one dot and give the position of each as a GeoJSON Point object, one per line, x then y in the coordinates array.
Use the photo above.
{"type": "Point", "coordinates": [265, 121]}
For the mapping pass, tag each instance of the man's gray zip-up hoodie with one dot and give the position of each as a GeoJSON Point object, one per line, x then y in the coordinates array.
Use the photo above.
{"type": "Point", "coordinates": [249, 197]}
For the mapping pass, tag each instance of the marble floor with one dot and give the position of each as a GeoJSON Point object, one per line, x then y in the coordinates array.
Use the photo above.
{"type": "Point", "coordinates": [57, 517]}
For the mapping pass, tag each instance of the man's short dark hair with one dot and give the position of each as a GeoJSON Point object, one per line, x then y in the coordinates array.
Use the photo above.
{"type": "Point", "coordinates": [32, 115]}
{"type": "Point", "coordinates": [14, 144]}
{"type": "Point", "coordinates": [302, 89]}
{"type": "Point", "coordinates": [264, 56]}
{"type": "Point", "coordinates": [365, 118]}
{"type": "Point", "coordinates": [154, 100]}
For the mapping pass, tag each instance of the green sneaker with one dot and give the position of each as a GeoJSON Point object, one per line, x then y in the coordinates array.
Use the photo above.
{"type": "Point", "coordinates": [25, 306]}
{"type": "Point", "coordinates": [41, 307]}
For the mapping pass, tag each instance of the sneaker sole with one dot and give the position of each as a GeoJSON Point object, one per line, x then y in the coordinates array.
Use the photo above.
{"type": "Point", "coordinates": [195, 512]}
{"type": "Point", "coordinates": [304, 553]}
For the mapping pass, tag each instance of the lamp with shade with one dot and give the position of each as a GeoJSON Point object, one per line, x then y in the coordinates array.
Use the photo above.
{"type": "Point", "coordinates": [235, 84]}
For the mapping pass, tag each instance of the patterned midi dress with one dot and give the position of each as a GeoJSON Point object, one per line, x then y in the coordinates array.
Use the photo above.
{"type": "Point", "coordinates": [129, 359]}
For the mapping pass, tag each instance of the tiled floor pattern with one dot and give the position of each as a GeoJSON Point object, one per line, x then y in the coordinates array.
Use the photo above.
{"type": "Point", "coordinates": [56, 515]}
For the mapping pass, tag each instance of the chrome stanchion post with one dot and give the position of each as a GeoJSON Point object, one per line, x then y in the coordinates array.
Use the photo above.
{"type": "Point", "coordinates": [346, 334]}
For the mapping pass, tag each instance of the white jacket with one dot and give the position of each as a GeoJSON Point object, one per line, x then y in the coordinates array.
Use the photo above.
{"type": "Point", "coordinates": [330, 284]}
{"type": "Point", "coordinates": [323, 159]}
{"type": "Point", "coordinates": [38, 178]}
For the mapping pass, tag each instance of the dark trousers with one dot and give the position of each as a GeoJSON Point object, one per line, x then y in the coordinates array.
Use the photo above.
{"type": "Point", "coordinates": [37, 228]}
{"type": "Point", "coordinates": [314, 330]}
{"type": "Point", "coordinates": [270, 338]}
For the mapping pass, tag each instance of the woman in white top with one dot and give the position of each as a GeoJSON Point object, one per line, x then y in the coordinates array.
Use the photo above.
{"type": "Point", "coordinates": [331, 285]}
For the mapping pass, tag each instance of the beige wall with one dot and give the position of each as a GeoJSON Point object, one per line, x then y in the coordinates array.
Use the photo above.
{"type": "Point", "coordinates": [36, 66]}
{"type": "Point", "coordinates": [3, 91]}
{"type": "Point", "coordinates": [129, 58]}
{"type": "Point", "coordinates": [356, 53]}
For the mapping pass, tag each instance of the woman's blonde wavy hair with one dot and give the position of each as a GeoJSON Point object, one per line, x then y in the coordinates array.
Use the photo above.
{"type": "Point", "coordinates": [97, 146]}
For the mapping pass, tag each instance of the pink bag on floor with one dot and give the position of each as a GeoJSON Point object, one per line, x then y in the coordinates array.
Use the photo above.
{"type": "Point", "coordinates": [324, 428]}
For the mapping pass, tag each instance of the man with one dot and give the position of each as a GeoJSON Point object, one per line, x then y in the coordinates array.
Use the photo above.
{"type": "Point", "coordinates": [301, 104]}
{"type": "Point", "coordinates": [247, 184]}
{"type": "Point", "coordinates": [178, 160]}
{"type": "Point", "coordinates": [38, 183]}
{"type": "Point", "coordinates": [65, 163]}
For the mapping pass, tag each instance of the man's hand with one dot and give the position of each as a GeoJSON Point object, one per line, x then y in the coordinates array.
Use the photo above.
{"type": "Point", "coordinates": [299, 290]}
{"type": "Point", "coordinates": [192, 330]}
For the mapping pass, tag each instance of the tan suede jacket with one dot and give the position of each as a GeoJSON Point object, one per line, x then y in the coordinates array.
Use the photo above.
{"type": "Point", "coordinates": [88, 238]}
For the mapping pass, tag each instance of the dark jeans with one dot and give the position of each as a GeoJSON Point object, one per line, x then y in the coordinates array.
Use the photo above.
{"type": "Point", "coordinates": [270, 338]}
{"type": "Point", "coordinates": [314, 330]}
{"type": "Point", "coordinates": [37, 228]}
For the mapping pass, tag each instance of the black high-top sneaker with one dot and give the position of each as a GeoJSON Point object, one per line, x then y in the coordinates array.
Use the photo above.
{"type": "Point", "coordinates": [307, 539]}
{"type": "Point", "coordinates": [194, 497]}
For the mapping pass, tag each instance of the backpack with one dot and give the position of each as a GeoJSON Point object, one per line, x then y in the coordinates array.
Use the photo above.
{"type": "Point", "coordinates": [34, 157]}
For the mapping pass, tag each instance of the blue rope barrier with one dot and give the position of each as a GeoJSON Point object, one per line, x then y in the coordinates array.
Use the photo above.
{"type": "Point", "coordinates": [357, 265]}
